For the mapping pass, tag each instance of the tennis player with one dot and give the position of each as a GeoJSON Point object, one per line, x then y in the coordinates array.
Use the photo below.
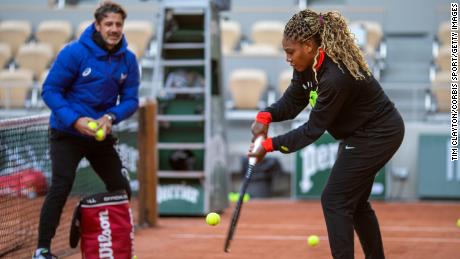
{"type": "Point", "coordinates": [330, 74]}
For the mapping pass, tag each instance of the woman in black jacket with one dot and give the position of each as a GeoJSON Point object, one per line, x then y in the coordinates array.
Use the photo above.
{"type": "Point", "coordinates": [332, 75]}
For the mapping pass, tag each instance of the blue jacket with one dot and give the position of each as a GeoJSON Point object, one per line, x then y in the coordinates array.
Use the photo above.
{"type": "Point", "coordinates": [85, 80]}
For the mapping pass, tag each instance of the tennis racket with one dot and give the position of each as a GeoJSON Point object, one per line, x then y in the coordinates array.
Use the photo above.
{"type": "Point", "coordinates": [247, 178]}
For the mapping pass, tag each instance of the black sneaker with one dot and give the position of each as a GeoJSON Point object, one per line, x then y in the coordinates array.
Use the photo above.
{"type": "Point", "coordinates": [43, 253]}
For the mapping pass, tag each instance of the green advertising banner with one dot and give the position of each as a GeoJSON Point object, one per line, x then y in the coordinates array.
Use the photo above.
{"type": "Point", "coordinates": [313, 165]}
{"type": "Point", "coordinates": [180, 197]}
{"type": "Point", "coordinates": [438, 175]}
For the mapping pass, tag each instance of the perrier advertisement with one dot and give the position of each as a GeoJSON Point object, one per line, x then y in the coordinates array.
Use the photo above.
{"type": "Point", "coordinates": [313, 166]}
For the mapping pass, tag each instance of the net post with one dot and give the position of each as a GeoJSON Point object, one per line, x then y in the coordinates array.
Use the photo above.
{"type": "Point", "coordinates": [147, 172]}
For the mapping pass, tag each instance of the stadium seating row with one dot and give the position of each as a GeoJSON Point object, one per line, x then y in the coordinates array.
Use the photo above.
{"type": "Point", "coordinates": [56, 33]}
{"type": "Point", "coordinates": [27, 56]}
{"type": "Point", "coordinates": [34, 52]}
{"type": "Point", "coordinates": [267, 36]}
{"type": "Point", "coordinates": [439, 95]}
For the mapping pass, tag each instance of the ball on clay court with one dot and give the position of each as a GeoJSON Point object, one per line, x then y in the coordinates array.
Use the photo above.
{"type": "Point", "coordinates": [233, 196]}
{"type": "Point", "coordinates": [100, 135]}
{"type": "Point", "coordinates": [92, 125]}
{"type": "Point", "coordinates": [313, 240]}
{"type": "Point", "coordinates": [213, 219]}
{"type": "Point", "coordinates": [458, 222]}
{"type": "Point", "coordinates": [135, 257]}
{"type": "Point", "coordinates": [246, 197]}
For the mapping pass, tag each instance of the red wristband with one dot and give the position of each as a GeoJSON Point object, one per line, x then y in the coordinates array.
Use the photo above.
{"type": "Point", "coordinates": [268, 144]}
{"type": "Point", "coordinates": [264, 118]}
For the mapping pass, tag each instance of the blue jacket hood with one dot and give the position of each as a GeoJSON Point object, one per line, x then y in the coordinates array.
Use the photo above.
{"type": "Point", "coordinates": [86, 39]}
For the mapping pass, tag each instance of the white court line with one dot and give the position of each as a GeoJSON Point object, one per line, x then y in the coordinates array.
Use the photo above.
{"type": "Point", "coordinates": [302, 238]}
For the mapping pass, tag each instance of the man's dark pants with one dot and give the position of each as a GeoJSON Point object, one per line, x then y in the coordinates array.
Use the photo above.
{"type": "Point", "coordinates": [66, 152]}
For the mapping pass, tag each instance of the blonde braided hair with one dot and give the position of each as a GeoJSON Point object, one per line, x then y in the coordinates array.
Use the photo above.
{"type": "Point", "coordinates": [331, 33]}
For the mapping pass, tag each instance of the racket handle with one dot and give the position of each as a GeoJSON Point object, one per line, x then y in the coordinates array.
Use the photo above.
{"type": "Point", "coordinates": [257, 144]}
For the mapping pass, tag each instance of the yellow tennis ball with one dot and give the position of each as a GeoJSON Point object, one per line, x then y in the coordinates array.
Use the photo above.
{"type": "Point", "coordinates": [92, 125]}
{"type": "Point", "coordinates": [233, 197]}
{"type": "Point", "coordinates": [135, 257]}
{"type": "Point", "coordinates": [313, 240]}
{"type": "Point", "coordinates": [213, 219]}
{"type": "Point", "coordinates": [100, 135]}
{"type": "Point", "coordinates": [246, 197]}
{"type": "Point", "coordinates": [458, 222]}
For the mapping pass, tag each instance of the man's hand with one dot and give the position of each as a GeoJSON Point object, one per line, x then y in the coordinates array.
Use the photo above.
{"type": "Point", "coordinates": [258, 129]}
{"type": "Point", "coordinates": [105, 123]}
{"type": "Point", "coordinates": [81, 125]}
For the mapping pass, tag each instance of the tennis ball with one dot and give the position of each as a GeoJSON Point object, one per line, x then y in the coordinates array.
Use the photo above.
{"type": "Point", "coordinates": [135, 257]}
{"type": "Point", "coordinates": [213, 219]}
{"type": "Point", "coordinates": [313, 240]}
{"type": "Point", "coordinates": [233, 196]}
{"type": "Point", "coordinates": [92, 125]}
{"type": "Point", "coordinates": [246, 197]}
{"type": "Point", "coordinates": [100, 135]}
{"type": "Point", "coordinates": [458, 222]}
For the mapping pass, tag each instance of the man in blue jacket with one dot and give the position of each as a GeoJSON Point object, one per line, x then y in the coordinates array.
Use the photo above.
{"type": "Point", "coordinates": [93, 79]}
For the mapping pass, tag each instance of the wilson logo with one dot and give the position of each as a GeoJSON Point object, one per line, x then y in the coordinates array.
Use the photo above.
{"type": "Point", "coordinates": [105, 238]}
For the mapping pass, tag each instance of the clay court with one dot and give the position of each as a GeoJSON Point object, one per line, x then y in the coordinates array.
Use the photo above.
{"type": "Point", "coordinates": [279, 229]}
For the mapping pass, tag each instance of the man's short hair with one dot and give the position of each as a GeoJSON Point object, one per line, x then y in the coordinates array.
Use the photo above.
{"type": "Point", "coordinates": [108, 7]}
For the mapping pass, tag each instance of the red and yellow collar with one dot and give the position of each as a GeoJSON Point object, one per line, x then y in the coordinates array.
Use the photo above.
{"type": "Point", "coordinates": [320, 59]}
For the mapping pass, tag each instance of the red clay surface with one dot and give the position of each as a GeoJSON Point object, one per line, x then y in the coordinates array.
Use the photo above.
{"type": "Point", "coordinates": [280, 228]}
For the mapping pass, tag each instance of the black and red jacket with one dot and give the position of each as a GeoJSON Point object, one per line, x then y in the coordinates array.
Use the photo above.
{"type": "Point", "coordinates": [344, 104]}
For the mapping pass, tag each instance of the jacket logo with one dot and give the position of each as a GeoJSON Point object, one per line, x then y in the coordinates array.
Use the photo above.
{"type": "Point", "coordinates": [309, 85]}
{"type": "Point", "coordinates": [123, 76]}
{"type": "Point", "coordinates": [86, 72]}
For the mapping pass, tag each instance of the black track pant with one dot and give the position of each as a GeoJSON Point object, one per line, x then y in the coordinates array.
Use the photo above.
{"type": "Point", "coordinates": [66, 152]}
{"type": "Point", "coordinates": [345, 197]}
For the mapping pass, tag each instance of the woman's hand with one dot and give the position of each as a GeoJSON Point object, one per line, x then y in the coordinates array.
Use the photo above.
{"type": "Point", "coordinates": [258, 153]}
{"type": "Point", "coordinates": [258, 129]}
